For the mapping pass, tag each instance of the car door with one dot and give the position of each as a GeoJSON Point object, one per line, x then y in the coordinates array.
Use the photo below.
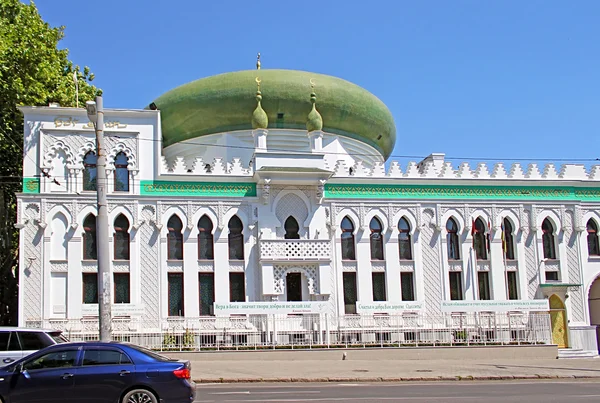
{"type": "Point", "coordinates": [10, 349]}
{"type": "Point", "coordinates": [46, 378]}
{"type": "Point", "coordinates": [104, 374]}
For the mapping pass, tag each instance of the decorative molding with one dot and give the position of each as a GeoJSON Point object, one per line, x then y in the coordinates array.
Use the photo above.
{"type": "Point", "coordinates": [378, 266]}
{"type": "Point", "coordinates": [175, 266]}
{"type": "Point", "coordinates": [349, 266]}
{"type": "Point", "coordinates": [121, 266]}
{"type": "Point", "coordinates": [236, 266]}
{"type": "Point", "coordinates": [216, 189]}
{"type": "Point", "coordinates": [461, 192]}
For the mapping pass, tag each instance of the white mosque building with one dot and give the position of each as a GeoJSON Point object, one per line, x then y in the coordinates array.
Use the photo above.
{"type": "Point", "coordinates": [267, 193]}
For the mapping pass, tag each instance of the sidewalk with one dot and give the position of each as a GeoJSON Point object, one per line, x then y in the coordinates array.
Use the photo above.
{"type": "Point", "coordinates": [209, 369]}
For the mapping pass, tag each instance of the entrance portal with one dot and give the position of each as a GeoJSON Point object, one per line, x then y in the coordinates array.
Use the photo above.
{"type": "Point", "coordinates": [594, 304]}
{"type": "Point", "coordinates": [558, 319]}
{"type": "Point", "coordinates": [293, 283]}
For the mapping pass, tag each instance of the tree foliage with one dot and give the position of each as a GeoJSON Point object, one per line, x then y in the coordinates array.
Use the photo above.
{"type": "Point", "coordinates": [33, 72]}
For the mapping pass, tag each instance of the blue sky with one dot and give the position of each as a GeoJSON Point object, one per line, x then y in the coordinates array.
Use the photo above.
{"type": "Point", "coordinates": [477, 79]}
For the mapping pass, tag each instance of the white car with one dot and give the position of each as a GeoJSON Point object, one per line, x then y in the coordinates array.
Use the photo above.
{"type": "Point", "coordinates": [18, 342]}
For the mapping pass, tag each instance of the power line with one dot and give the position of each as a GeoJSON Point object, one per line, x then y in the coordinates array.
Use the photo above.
{"type": "Point", "coordinates": [374, 155]}
{"type": "Point", "coordinates": [416, 157]}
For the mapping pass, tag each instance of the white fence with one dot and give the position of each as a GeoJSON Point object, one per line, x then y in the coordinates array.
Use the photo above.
{"type": "Point", "coordinates": [317, 331]}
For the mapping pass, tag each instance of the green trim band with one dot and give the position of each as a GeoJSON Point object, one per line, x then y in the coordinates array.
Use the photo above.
{"type": "Point", "coordinates": [31, 185]}
{"type": "Point", "coordinates": [462, 192]}
{"type": "Point", "coordinates": [221, 189]}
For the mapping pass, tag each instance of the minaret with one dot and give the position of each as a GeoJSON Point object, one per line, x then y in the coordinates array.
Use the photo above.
{"type": "Point", "coordinates": [314, 123]}
{"type": "Point", "coordinates": [260, 120]}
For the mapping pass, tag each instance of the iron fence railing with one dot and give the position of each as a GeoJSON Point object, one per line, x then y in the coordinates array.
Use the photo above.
{"type": "Point", "coordinates": [317, 330]}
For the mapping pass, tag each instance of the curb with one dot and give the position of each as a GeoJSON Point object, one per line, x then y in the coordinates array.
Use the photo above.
{"type": "Point", "coordinates": [392, 379]}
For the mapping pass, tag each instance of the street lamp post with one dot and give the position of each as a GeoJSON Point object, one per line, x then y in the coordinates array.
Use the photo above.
{"type": "Point", "coordinates": [95, 112]}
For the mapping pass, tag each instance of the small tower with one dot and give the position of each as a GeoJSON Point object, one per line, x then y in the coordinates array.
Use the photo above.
{"type": "Point", "coordinates": [260, 121]}
{"type": "Point", "coordinates": [314, 123]}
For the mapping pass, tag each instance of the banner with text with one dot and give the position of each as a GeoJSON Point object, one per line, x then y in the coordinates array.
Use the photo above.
{"type": "Point", "coordinates": [389, 307]}
{"type": "Point", "coordinates": [496, 306]}
{"type": "Point", "coordinates": [116, 310]}
{"type": "Point", "coordinates": [270, 308]}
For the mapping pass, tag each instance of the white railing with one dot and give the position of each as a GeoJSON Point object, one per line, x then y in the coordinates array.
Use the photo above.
{"type": "Point", "coordinates": [318, 331]}
{"type": "Point", "coordinates": [295, 249]}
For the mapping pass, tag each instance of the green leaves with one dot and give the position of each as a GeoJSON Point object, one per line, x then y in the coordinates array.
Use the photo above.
{"type": "Point", "coordinates": [33, 72]}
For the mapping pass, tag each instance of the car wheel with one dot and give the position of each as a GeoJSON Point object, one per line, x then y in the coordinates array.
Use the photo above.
{"type": "Point", "coordinates": [139, 396]}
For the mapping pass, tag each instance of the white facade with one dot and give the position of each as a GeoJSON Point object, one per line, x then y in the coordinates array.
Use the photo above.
{"type": "Point", "coordinates": [319, 184]}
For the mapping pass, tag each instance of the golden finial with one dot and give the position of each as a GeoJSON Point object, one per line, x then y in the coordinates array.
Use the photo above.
{"type": "Point", "coordinates": [315, 120]}
{"type": "Point", "coordinates": [258, 61]}
{"type": "Point", "coordinates": [260, 119]}
{"type": "Point", "coordinates": [258, 80]}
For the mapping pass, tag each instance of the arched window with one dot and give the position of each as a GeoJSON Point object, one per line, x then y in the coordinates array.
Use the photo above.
{"type": "Point", "coordinates": [376, 239]}
{"type": "Point", "coordinates": [508, 243]}
{"type": "Point", "coordinates": [121, 238]}
{"type": "Point", "coordinates": [479, 239]}
{"type": "Point", "coordinates": [548, 240]}
{"type": "Point", "coordinates": [175, 238]}
{"type": "Point", "coordinates": [89, 171]}
{"type": "Point", "coordinates": [291, 228]}
{"type": "Point", "coordinates": [236, 239]}
{"type": "Point", "coordinates": [121, 173]}
{"type": "Point", "coordinates": [205, 239]}
{"type": "Point", "coordinates": [58, 238]}
{"type": "Point", "coordinates": [592, 238]}
{"type": "Point", "coordinates": [404, 244]}
{"type": "Point", "coordinates": [90, 251]}
{"type": "Point", "coordinates": [452, 240]}
{"type": "Point", "coordinates": [348, 251]}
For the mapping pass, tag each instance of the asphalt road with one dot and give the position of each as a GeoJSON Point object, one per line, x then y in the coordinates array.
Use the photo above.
{"type": "Point", "coordinates": [580, 391]}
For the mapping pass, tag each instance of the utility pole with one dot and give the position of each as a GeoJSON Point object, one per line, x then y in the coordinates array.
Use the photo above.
{"type": "Point", "coordinates": [95, 111]}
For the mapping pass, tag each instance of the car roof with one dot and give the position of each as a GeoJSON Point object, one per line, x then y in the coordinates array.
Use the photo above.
{"type": "Point", "coordinates": [27, 329]}
{"type": "Point", "coordinates": [91, 344]}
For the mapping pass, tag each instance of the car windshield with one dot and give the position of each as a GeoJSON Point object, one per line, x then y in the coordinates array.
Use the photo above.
{"type": "Point", "coordinates": [58, 337]}
{"type": "Point", "coordinates": [151, 353]}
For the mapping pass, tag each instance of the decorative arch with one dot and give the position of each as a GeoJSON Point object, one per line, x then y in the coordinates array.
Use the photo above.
{"type": "Point", "coordinates": [310, 272]}
{"type": "Point", "coordinates": [118, 148]}
{"type": "Point", "coordinates": [593, 215]}
{"type": "Point", "coordinates": [53, 150]}
{"type": "Point", "coordinates": [60, 209]}
{"type": "Point", "coordinates": [83, 213]}
{"type": "Point", "coordinates": [292, 203]}
{"type": "Point", "coordinates": [83, 150]}
{"type": "Point", "coordinates": [552, 216]}
{"type": "Point", "coordinates": [511, 216]}
{"type": "Point", "coordinates": [116, 212]}
{"type": "Point", "coordinates": [380, 216]}
{"type": "Point", "coordinates": [204, 211]}
{"type": "Point", "coordinates": [353, 217]}
{"type": "Point", "coordinates": [179, 212]}
{"type": "Point", "coordinates": [479, 213]}
{"type": "Point", "coordinates": [457, 217]}
{"type": "Point", "coordinates": [409, 217]}
{"type": "Point", "coordinates": [243, 216]}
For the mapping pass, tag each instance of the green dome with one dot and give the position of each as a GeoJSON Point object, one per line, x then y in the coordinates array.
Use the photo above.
{"type": "Point", "coordinates": [226, 102]}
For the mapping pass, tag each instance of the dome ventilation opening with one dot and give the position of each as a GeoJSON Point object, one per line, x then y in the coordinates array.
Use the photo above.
{"type": "Point", "coordinates": [279, 122]}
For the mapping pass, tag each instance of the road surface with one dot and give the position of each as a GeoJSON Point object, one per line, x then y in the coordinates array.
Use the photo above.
{"type": "Point", "coordinates": [559, 391]}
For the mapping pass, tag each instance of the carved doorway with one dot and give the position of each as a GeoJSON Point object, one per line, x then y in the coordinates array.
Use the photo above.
{"type": "Point", "coordinates": [558, 319]}
{"type": "Point", "coordinates": [293, 282]}
{"type": "Point", "coordinates": [594, 304]}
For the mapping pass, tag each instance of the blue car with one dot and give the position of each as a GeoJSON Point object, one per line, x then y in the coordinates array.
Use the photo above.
{"type": "Point", "coordinates": [96, 372]}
